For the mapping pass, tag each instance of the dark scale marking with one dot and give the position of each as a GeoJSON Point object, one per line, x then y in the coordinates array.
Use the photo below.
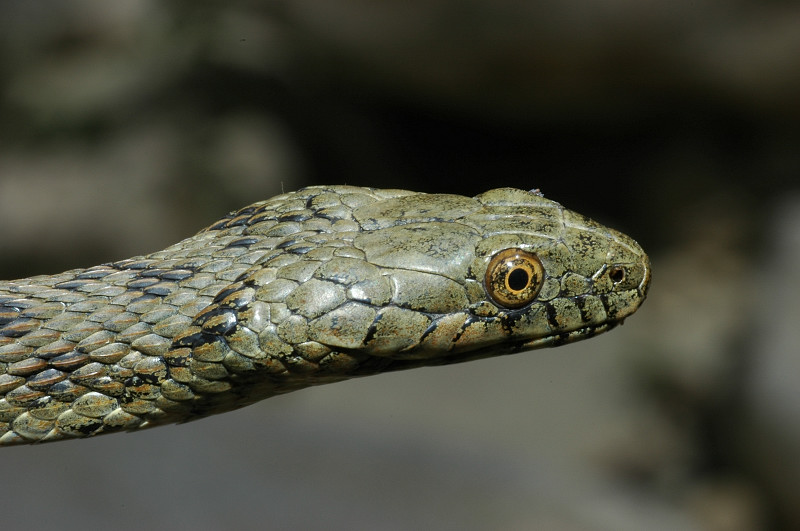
{"type": "Point", "coordinates": [243, 242]}
{"type": "Point", "coordinates": [70, 361]}
{"type": "Point", "coordinates": [150, 273]}
{"type": "Point", "coordinates": [238, 221]}
{"type": "Point", "coordinates": [471, 319]}
{"type": "Point", "coordinates": [208, 313]}
{"type": "Point", "coordinates": [18, 328]}
{"type": "Point", "coordinates": [259, 218]}
{"type": "Point", "coordinates": [428, 331]}
{"type": "Point", "coordinates": [509, 319]}
{"type": "Point", "coordinates": [552, 316]}
{"type": "Point", "coordinates": [152, 379]}
{"type": "Point", "coordinates": [294, 217]}
{"type": "Point", "coordinates": [73, 285]}
{"type": "Point", "coordinates": [190, 341]}
{"type": "Point", "coordinates": [56, 352]}
{"type": "Point", "coordinates": [91, 426]}
{"type": "Point", "coordinates": [259, 210]}
{"type": "Point", "coordinates": [19, 304]}
{"type": "Point", "coordinates": [373, 328]}
{"type": "Point", "coordinates": [300, 249]}
{"type": "Point", "coordinates": [129, 395]}
{"type": "Point", "coordinates": [141, 283]}
{"type": "Point", "coordinates": [192, 266]}
{"type": "Point", "coordinates": [247, 279]}
{"type": "Point", "coordinates": [177, 274]}
{"type": "Point", "coordinates": [286, 243]}
{"type": "Point", "coordinates": [561, 339]}
{"type": "Point", "coordinates": [580, 301]}
{"type": "Point", "coordinates": [332, 215]}
{"type": "Point", "coordinates": [225, 292]}
{"type": "Point", "coordinates": [161, 290]}
{"type": "Point", "coordinates": [219, 225]}
{"type": "Point", "coordinates": [94, 274]}
{"type": "Point", "coordinates": [144, 297]}
{"type": "Point", "coordinates": [611, 313]}
{"type": "Point", "coordinates": [8, 314]}
{"type": "Point", "coordinates": [322, 215]}
{"type": "Point", "coordinates": [134, 264]}
{"type": "Point", "coordinates": [225, 327]}
{"type": "Point", "coordinates": [63, 391]}
{"type": "Point", "coordinates": [246, 211]}
{"type": "Point", "coordinates": [43, 402]}
{"type": "Point", "coordinates": [243, 278]}
{"type": "Point", "coordinates": [45, 379]}
{"type": "Point", "coordinates": [173, 360]}
{"type": "Point", "coordinates": [239, 302]}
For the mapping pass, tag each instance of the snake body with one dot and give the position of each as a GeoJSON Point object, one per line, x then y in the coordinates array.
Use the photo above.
{"type": "Point", "coordinates": [309, 287]}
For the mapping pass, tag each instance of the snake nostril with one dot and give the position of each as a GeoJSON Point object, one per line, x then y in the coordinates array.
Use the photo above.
{"type": "Point", "coordinates": [616, 274]}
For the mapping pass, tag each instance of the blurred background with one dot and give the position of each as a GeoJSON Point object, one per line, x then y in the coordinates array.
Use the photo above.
{"type": "Point", "coordinates": [128, 125]}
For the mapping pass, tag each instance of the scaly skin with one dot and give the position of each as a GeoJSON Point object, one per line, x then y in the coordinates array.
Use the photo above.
{"type": "Point", "coordinates": [309, 287]}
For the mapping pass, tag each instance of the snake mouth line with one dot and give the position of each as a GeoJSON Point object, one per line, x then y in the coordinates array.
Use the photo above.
{"type": "Point", "coordinates": [568, 337]}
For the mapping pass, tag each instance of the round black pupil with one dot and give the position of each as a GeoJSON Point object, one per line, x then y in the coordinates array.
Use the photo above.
{"type": "Point", "coordinates": [518, 279]}
{"type": "Point", "coordinates": [617, 274]}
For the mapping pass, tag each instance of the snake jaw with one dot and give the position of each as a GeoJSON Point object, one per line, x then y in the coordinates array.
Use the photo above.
{"type": "Point", "coordinates": [568, 337]}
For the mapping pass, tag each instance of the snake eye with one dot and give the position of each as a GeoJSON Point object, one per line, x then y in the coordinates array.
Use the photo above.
{"type": "Point", "coordinates": [514, 278]}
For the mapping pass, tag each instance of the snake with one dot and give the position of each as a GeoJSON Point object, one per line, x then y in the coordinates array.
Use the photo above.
{"type": "Point", "coordinates": [309, 287]}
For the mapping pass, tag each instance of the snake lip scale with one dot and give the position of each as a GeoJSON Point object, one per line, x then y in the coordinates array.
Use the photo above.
{"type": "Point", "coordinates": [309, 287]}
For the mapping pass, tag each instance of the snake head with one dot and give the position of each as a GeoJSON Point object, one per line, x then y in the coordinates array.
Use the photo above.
{"type": "Point", "coordinates": [567, 276]}
{"type": "Point", "coordinates": [507, 270]}
{"type": "Point", "coordinates": [358, 281]}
